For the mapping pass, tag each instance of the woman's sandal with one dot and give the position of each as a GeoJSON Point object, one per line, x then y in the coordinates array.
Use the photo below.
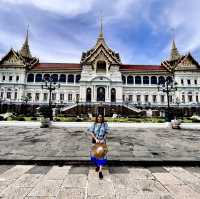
{"type": "Point", "coordinates": [97, 169]}
{"type": "Point", "coordinates": [100, 175]}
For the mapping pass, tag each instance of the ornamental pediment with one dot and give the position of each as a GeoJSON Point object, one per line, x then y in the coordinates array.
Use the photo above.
{"type": "Point", "coordinates": [103, 54]}
{"type": "Point", "coordinates": [11, 58]}
{"type": "Point", "coordinates": [188, 63]}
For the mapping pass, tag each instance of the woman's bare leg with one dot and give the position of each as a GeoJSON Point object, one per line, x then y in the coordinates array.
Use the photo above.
{"type": "Point", "coordinates": [100, 168]}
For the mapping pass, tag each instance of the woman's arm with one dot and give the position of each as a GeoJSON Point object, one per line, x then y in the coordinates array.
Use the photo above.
{"type": "Point", "coordinates": [91, 129]}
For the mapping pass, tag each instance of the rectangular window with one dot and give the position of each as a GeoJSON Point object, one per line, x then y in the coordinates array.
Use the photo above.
{"type": "Point", "coordinates": [130, 98]}
{"type": "Point", "coordinates": [138, 98]}
{"type": "Point", "coordinates": [17, 78]}
{"type": "Point", "coordinates": [162, 98]}
{"type": "Point", "coordinates": [123, 97]}
{"type": "Point", "coordinates": [2, 95]}
{"type": "Point", "coordinates": [45, 96]}
{"type": "Point", "coordinates": [182, 82]}
{"type": "Point", "coordinates": [37, 96]}
{"type": "Point", "coordinates": [10, 78]}
{"type": "Point", "coordinates": [190, 98]}
{"type": "Point", "coordinates": [146, 98]}
{"type": "Point", "coordinates": [154, 98]}
{"type": "Point", "coordinates": [53, 96]}
{"type": "Point", "coordinates": [195, 82]}
{"type": "Point", "coordinates": [183, 98]}
{"type": "Point", "coordinates": [8, 95]}
{"type": "Point", "coordinates": [4, 78]}
{"type": "Point", "coordinates": [62, 96]}
{"type": "Point", "coordinates": [188, 81]}
{"type": "Point", "coordinates": [15, 95]}
{"type": "Point", "coordinates": [197, 98]}
{"type": "Point", "coordinates": [77, 97]}
{"type": "Point", "coordinates": [69, 97]}
{"type": "Point", "coordinates": [170, 99]}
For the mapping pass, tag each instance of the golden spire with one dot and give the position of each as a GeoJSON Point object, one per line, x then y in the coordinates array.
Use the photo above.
{"type": "Point", "coordinates": [174, 54]}
{"type": "Point", "coordinates": [101, 27]}
{"type": "Point", "coordinates": [25, 50]}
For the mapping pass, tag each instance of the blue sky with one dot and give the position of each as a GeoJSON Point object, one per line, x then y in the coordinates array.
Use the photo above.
{"type": "Point", "coordinates": [140, 30]}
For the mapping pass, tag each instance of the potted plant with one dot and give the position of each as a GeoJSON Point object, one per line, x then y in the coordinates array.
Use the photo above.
{"type": "Point", "coordinates": [46, 112]}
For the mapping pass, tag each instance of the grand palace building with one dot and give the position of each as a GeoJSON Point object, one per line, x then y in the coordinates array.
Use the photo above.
{"type": "Point", "coordinates": [99, 80]}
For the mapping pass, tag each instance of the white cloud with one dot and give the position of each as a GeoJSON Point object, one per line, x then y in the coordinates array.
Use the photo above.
{"type": "Point", "coordinates": [65, 7]}
{"type": "Point", "coordinates": [183, 16]}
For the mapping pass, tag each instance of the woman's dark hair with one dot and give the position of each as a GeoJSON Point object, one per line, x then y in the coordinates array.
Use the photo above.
{"type": "Point", "coordinates": [96, 119]}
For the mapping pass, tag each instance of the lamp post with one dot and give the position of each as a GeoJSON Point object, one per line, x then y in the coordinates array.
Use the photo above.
{"type": "Point", "coordinates": [167, 86]}
{"type": "Point", "coordinates": [77, 101]}
{"type": "Point", "coordinates": [1, 100]}
{"type": "Point", "coordinates": [50, 85]}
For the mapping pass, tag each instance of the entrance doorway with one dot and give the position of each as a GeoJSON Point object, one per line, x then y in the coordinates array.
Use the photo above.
{"type": "Point", "coordinates": [101, 94]}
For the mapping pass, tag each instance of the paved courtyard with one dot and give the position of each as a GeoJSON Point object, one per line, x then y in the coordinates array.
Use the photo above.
{"type": "Point", "coordinates": [132, 144]}
{"type": "Point", "coordinates": [71, 182]}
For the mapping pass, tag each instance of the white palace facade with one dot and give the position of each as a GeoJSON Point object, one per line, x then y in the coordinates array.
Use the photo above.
{"type": "Point", "coordinates": [99, 79]}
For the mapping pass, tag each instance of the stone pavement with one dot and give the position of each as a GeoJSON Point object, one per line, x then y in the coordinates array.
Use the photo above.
{"type": "Point", "coordinates": [124, 144]}
{"type": "Point", "coordinates": [71, 182]}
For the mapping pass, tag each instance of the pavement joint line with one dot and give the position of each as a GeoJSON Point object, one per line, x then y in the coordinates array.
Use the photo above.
{"type": "Point", "coordinates": [113, 163]}
{"type": "Point", "coordinates": [111, 124]}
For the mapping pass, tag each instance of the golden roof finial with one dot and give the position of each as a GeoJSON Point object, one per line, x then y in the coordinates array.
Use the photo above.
{"type": "Point", "coordinates": [25, 50]}
{"type": "Point", "coordinates": [101, 26]}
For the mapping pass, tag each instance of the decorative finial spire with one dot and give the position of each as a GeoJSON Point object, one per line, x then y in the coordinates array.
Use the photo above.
{"type": "Point", "coordinates": [101, 27]}
{"type": "Point", "coordinates": [174, 54]}
{"type": "Point", "coordinates": [25, 50]}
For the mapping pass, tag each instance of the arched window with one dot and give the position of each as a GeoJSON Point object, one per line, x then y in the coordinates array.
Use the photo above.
{"type": "Point", "coordinates": [78, 77]}
{"type": "Point", "coordinates": [38, 78]}
{"type": "Point", "coordinates": [62, 78]}
{"type": "Point", "coordinates": [161, 80]}
{"type": "Point", "coordinates": [30, 78]}
{"type": "Point", "coordinates": [123, 79]}
{"type": "Point", "coordinates": [54, 77]}
{"type": "Point", "coordinates": [145, 80]}
{"type": "Point", "coordinates": [154, 80]}
{"type": "Point", "coordinates": [46, 77]}
{"type": "Point", "coordinates": [130, 79]}
{"type": "Point", "coordinates": [70, 79]}
{"type": "Point", "coordinates": [138, 80]}
{"type": "Point", "coordinates": [88, 94]}
{"type": "Point", "coordinates": [101, 66]}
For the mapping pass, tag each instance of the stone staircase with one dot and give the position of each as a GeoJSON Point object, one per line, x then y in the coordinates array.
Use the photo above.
{"type": "Point", "coordinates": [68, 107]}
{"type": "Point", "coordinates": [133, 108]}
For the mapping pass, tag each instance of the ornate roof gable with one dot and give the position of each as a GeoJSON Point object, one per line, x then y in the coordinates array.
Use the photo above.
{"type": "Point", "coordinates": [187, 63]}
{"type": "Point", "coordinates": [22, 58]}
{"type": "Point", "coordinates": [100, 50]}
{"type": "Point", "coordinates": [11, 58]}
{"type": "Point", "coordinates": [178, 62]}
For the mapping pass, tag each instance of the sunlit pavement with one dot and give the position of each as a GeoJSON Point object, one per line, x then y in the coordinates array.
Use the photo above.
{"type": "Point", "coordinates": [71, 182]}
{"type": "Point", "coordinates": [124, 144]}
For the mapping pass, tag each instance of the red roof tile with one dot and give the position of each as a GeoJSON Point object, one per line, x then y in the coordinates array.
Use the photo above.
{"type": "Point", "coordinates": [75, 66]}
{"type": "Point", "coordinates": [57, 66]}
{"type": "Point", "coordinates": [127, 67]}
